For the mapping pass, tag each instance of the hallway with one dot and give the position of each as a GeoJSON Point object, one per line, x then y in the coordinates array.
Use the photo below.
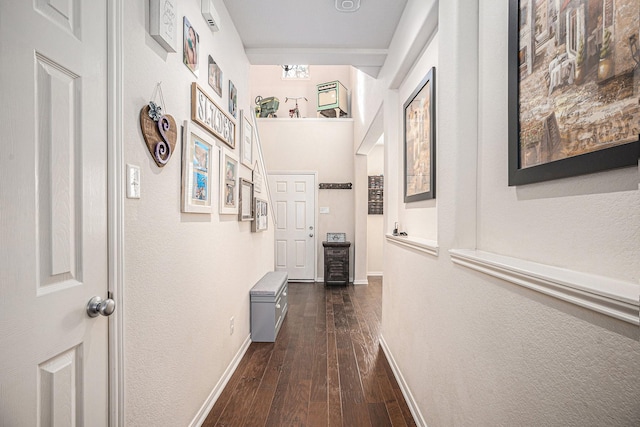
{"type": "Point", "coordinates": [325, 368]}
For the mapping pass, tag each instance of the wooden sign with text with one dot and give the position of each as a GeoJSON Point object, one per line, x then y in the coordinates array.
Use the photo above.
{"type": "Point", "coordinates": [207, 114]}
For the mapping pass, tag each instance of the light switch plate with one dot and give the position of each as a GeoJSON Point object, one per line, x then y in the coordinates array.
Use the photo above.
{"type": "Point", "coordinates": [133, 182]}
{"type": "Point", "coordinates": [324, 210]}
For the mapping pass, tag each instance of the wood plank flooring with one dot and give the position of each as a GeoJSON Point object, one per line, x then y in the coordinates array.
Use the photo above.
{"type": "Point", "coordinates": [326, 367]}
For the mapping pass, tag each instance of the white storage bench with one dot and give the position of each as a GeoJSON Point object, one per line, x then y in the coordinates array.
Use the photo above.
{"type": "Point", "coordinates": [268, 306]}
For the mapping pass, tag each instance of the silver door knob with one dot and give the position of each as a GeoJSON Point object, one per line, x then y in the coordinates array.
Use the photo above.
{"type": "Point", "coordinates": [98, 306]}
{"type": "Point", "coordinates": [310, 234]}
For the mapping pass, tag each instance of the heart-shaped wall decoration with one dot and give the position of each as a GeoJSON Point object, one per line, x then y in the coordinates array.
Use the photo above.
{"type": "Point", "coordinates": [160, 135]}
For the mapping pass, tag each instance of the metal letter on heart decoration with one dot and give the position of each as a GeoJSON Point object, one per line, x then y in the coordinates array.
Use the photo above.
{"type": "Point", "coordinates": [159, 131]}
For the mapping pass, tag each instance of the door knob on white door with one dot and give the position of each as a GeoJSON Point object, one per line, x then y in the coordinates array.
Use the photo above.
{"type": "Point", "coordinates": [97, 306]}
{"type": "Point", "coordinates": [310, 234]}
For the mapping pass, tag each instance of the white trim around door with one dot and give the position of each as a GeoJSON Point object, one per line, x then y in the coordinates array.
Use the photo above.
{"type": "Point", "coordinates": [115, 175]}
{"type": "Point", "coordinates": [313, 174]}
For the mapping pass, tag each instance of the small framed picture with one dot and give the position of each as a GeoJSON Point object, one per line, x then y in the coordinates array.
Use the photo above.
{"type": "Point", "coordinates": [246, 141]}
{"type": "Point", "coordinates": [228, 183]}
{"type": "Point", "coordinates": [215, 76]}
{"type": "Point", "coordinates": [245, 200]}
{"type": "Point", "coordinates": [260, 211]}
{"type": "Point", "coordinates": [257, 179]}
{"type": "Point", "coordinates": [197, 154]}
{"type": "Point", "coordinates": [191, 47]}
{"type": "Point", "coordinates": [233, 100]}
{"type": "Point", "coordinates": [337, 237]}
{"type": "Point", "coordinates": [163, 23]}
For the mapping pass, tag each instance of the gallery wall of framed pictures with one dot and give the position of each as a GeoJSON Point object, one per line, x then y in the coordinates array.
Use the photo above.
{"type": "Point", "coordinates": [218, 143]}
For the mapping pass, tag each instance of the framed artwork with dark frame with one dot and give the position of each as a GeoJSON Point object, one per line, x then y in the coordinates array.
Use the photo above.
{"type": "Point", "coordinates": [420, 141]}
{"type": "Point", "coordinates": [574, 82]}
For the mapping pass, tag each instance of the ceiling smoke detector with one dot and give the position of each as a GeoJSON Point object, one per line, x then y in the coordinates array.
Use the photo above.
{"type": "Point", "coordinates": [347, 5]}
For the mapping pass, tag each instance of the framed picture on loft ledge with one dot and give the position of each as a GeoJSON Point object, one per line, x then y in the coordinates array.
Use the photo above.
{"type": "Point", "coordinates": [420, 141]}
{"type": "Point", "coordinates": [574, 81]}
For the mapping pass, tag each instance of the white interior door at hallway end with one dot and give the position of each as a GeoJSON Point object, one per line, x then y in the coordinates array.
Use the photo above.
{"type": "Point", "coordinates": [294, 198]}
{"type": "Point", "coordinates": [53, 215]}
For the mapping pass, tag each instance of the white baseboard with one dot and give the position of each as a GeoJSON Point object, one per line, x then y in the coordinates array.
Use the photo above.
{"type": "Point", "coordinates": [408, 397]}
{"type": "Point", "coordinates": [375, 273]}
{"type": "Point", "coordinates": [201, 416]}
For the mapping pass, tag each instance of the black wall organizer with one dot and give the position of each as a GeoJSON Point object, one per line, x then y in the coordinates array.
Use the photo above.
{"type": "Point", "coordinates": [333, 186]}
{"type": "Point", "coordinates": [376, 191]}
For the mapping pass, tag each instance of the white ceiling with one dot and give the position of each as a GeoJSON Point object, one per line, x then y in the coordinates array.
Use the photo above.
{"type": "Point", "coordinates": [276, 32]}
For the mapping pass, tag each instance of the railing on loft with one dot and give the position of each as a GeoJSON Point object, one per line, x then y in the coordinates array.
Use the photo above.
{"type": "Point", "coordinates": [263, 171]}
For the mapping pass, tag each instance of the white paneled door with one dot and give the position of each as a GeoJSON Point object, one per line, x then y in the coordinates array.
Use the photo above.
{"type": "Point", "coordinates": [293, 197]}
{"type": "Point", "coordinates": [53, 213]}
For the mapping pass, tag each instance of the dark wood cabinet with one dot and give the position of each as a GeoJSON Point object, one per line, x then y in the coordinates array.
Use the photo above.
{"type": "Point", "coordinates": [336, 263]}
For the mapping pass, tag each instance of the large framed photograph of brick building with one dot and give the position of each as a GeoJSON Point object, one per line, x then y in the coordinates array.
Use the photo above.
{"type": "Point", "coordinates": [574, 87]}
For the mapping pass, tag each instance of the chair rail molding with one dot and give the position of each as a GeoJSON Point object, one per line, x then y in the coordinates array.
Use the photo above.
{"type": "Point", "coordinates": [423, 245]}
{"type": "Point", "coordinates": [612, 297]}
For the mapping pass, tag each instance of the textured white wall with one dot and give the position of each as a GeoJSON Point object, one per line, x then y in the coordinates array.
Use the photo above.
{"type": "Point", "coordinates": [596, 213]}
{"type": "Point", "coordinates": [418, 219]}
{"type": "Point", "coordinates": [324, 146]}
{"type": "Point", "coordinates": [185, 274]}
{"type": "Point", "coordinates": [367, 97]}
{"type": "Point", "coordinates": [475, 350]}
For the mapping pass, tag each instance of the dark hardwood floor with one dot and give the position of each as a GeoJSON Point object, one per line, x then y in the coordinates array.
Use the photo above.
{"type": "Point", "coordinates": [326, 367]}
